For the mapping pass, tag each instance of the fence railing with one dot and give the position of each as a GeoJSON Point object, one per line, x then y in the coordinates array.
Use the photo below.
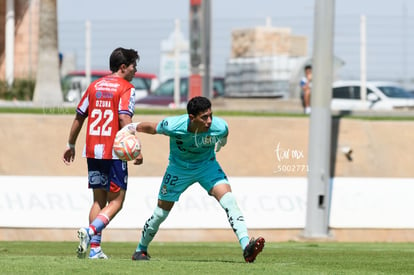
{"type": "Point", "coordinates": [390, 42]}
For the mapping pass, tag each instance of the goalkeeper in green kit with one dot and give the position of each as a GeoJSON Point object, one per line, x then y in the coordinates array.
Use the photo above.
{"type": "Point", "coordinates": [194, 140]}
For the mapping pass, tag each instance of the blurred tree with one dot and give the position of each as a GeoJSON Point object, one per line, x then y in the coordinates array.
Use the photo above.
{"type": "Point", "coordinates": [48, 91]}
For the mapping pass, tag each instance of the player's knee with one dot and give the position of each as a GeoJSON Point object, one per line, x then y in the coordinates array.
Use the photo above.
{"type": "Point", "coordinates": [160, 214]}
{"type": "Point", "coordinates": [220, 190]}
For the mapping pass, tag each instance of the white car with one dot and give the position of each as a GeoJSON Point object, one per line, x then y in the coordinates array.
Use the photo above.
{"type": "Point", "coordinates": [380, 95]}
{"type": "Point", "coordinates": [74, 84]}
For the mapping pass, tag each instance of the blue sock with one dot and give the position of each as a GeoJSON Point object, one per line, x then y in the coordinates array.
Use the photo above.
{"type": "Point", "coordinates": [98, 224]}
{"type": "Point", "coordinates": [235, 217]}
{"type": "Point", "coordinates": [96, 240]}
{"type": "Point", "coordinates": [151, 228]}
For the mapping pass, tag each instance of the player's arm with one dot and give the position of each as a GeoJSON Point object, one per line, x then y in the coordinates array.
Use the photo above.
{"type": "Point", "coordinates": [69, 154]}
{"type": "Point", "coordinates": [124, 120]}
{"type": "Point", "coordinates": [147, 127]}
{"type": "Point", "coordinates": [75, 129]}
{"type": "Point", "coordinates": [142, 127]}
{"type": "Point", "coordinates": [222, 142]}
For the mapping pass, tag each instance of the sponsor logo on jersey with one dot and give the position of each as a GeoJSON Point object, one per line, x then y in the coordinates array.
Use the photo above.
{"type": "Point", "coordinates": [104, 95]}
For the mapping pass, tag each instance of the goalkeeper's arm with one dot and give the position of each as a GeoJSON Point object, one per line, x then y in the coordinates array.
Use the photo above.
{"type": "Point", "coordinates": [142, 127]}
{"type": "Point", "coordinates": [221, 143]}
{"type": "Point", "coordinates": [147, 127]}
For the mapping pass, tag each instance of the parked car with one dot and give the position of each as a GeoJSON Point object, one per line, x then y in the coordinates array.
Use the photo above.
{"type": "Point", "coordinates": [74, 84]}
{"type": "Point", "coordinates": [380, 96]}
{"type": "Point", "coordinates": [164, 94]}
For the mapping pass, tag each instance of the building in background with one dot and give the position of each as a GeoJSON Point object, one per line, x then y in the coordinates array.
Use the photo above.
{"type": "Point", "coordinates": [26, 24]}
{"type": "Point", "coordinates": [262, 61]}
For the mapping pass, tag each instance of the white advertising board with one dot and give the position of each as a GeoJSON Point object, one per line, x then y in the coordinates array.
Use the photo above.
{"type": "Point", "coordinates": [372, 203]}
{"type": "Point", "coordinates": [64, 202]}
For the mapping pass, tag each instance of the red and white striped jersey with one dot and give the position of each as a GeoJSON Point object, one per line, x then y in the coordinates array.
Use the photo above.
{"type": "Point", "coordinates": [102, 103]}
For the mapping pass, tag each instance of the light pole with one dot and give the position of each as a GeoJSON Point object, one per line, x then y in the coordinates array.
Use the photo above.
{"type": "Point", "coordinates": [318, 198]}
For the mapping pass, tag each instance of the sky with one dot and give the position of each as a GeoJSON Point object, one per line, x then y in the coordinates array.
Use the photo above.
{"type": "Point", "coordinates": [240, 12]}
{"type": "Point", "coordinates": [164, 9]}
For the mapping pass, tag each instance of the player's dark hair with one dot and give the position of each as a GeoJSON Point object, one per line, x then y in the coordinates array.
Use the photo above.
{"type": "Point", "coordinates": [197, 105]}
{"type": "Point", "coordinates": [307, 67]}
{"type": "Point", "coordinates": [121, 56]}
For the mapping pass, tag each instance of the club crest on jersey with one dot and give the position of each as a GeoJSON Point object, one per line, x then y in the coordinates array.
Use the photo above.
{"type": "Point", "coordinates": [164, 190]}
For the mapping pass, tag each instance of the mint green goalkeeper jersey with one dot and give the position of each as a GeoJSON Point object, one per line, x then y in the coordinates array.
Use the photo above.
{"type": "Point", "coordinates": [191, 150]}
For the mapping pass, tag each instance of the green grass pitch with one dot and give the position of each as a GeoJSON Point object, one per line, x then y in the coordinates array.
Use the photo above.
{"type": "Point", "coordinates": [211, 258]}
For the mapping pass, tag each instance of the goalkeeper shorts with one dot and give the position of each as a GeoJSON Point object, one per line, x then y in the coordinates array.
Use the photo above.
{"type": "Point", "coordinates": [177, 179]}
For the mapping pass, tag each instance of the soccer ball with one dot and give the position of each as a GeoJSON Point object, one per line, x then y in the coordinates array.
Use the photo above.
{"type": "Point", "coordinates": [126, 146]}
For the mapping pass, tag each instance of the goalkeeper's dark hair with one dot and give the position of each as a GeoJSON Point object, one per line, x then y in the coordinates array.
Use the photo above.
{"type": "Point", "coordinates": [121, 56]}
{"type": "Point", "coordinates": [197, 105]}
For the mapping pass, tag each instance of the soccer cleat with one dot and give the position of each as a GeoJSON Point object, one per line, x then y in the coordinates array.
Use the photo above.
{"type": "Point", "coordinates": [84, 240]}
{"type": "Point", "coordinates": [97, 254]}
{"type": "Point", "coordinates": [141, 256]}
{"type": "Point", "coordinates": [254, 247]}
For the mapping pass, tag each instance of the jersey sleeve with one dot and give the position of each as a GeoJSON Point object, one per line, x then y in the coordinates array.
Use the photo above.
{"type": "Point", "coordinates": [163, 127]}
{"type": "Point", "coordinates": [127, 101]}
{"type": "Point", "coordinates": [173, 125]}
{"type": "Point", "coordinates": [83, 105]}
{"type": "Point", "coordinates": [220, 127]}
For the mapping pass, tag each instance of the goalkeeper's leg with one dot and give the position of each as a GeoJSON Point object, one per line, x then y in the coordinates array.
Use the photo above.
{"type": "Point", "coordinates": [235, 218]}
{"type": "Point", "coordinates": [227, 200]}
{"type": "Point", "coordinates": [150, 229]}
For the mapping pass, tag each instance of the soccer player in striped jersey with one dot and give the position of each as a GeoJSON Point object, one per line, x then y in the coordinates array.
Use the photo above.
{"type": "Point", "coordinates": [108, 104]}
{"type": "Point", "coordinates": [194, 140]}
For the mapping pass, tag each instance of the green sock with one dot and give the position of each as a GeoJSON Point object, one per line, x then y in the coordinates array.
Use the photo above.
{"type": "Point", "coordinates": [244, 242]}
{"type": "Point", "coordinates": [235, 218]}
{"type": "Point", "coordinates": [151, 228]}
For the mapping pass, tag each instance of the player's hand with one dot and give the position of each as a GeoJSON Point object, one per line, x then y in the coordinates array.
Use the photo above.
{"type": "Point", "coordinates": [221, 143]}
{"type": "Point", "coordinates": [139, 160]}
{"type": "Point", "coordinates": [130, 128]}
{"type": "Point", "coordinates": [69, 155]}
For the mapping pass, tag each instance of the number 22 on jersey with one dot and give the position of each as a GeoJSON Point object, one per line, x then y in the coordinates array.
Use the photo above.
{"type": "Point", "coordinates": [99, 115]}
